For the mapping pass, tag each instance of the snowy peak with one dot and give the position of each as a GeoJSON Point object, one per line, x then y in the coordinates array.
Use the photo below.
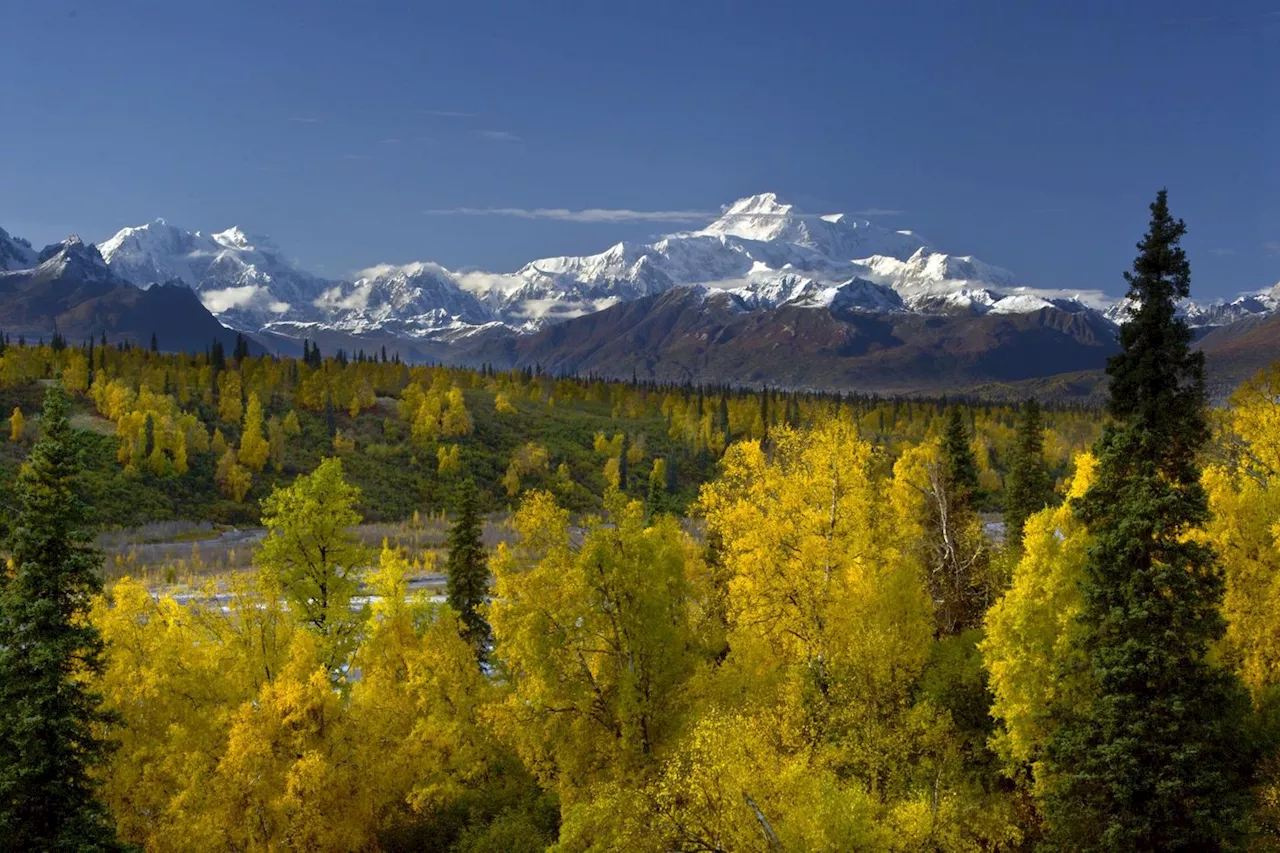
{"type": "Point", "coordinates": [240, 277]}
{"type": "Point", "coordinates": [236, 239]}
{"type": "Point", "coordinates": [413, 298]}
{"type": "Point", "coordinates": [758, 217]}
{"type": "Point", "coordinates": [767, 219]}
{"type": "Point", "coordinates": [15, 253]}
{"type": "Point", "coordinates": [72, 258]}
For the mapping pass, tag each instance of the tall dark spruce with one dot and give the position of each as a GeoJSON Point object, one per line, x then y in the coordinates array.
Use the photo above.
{"type": "Point", "coordinates": [957, 557]}
{"type": "Point", "coordinates": [961, 465]}
{"type": "Point", "coordinates": [50, 722]}
{"type": "Point", "coordinates": [1157, 759]}
{"type": "Point", "coordinates": [1029, 488]}
{"type": "Point", "coordinates": [468, 570]}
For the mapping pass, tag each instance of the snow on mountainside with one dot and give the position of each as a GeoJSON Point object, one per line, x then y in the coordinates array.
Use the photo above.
{"type": "Point", "coordinates": [411, 299]}
{"type": "Point", "coordinates": [762, 252]}
{"type": "Point", "coordinates": [15, 253]}
{"type": "Point", "coordinates": [242, 279]}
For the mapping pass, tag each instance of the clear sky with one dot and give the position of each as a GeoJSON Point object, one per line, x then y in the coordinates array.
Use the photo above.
{"type": "Point", "coordinates": [1031, 135]}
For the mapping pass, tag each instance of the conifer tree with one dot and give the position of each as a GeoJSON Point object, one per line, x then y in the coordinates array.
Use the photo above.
{"type": "Point", "coordinates": [1156, 759]}
{"type": "Point", "coordinates": [1028, 489]}
{"type": "Point", "coordinates": [656, 498]}
{"type": "Point", "coordinates": [468, 569]}
{"type": "Point", "coordinates": [50, 726]}
{"type": "Point", "coordinates": [961, 466]}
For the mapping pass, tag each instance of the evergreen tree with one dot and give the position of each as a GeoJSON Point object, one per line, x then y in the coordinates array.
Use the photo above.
{"type": "Point", "coordinates": [148, 435]}
{"type": "Point", "coordinates": [1028, 489]}
{"type": "Point", "coordinates": [468, 569]}
{"type": "Point", "coordinates": [155, 343]}
{"type": "Point", "coordinates": [961, 466]}
{"type": "Point", "coordinates": [50, 726]}
{"type": "Point", "coordinates": [764, 412]}
{"type": "Point", "coordinates": [1156, 760]}
{"type": "Point", "coordinates": [656, 499]}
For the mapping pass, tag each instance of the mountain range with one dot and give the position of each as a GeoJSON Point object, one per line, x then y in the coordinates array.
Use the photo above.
{"type": "Point", "coordinates": [765, 293]}
{"type": "Point", "coordinates": [68, 288]}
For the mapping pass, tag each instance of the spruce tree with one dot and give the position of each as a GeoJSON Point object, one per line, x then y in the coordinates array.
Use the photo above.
{"type": "Point", "coordinates": [961, 466]}
{"type": "Point", "coordinates": [468, 569]}
{"type": "Point", "coordinates": [1156, 759]}
{"type": "Point", "coordinates": [957, 557]}
{"type": "Point", "coordinates": [1028, 489]}
{"type": "Point", "coordinates": [50, 721]}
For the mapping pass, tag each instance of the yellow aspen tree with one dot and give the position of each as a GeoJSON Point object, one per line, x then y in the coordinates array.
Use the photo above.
{"type": "Point", "coordinates": [310, 552]}
{"type": "Point", "coordinates": [218, 444]}
{"type": "Point", "coordinates": [17, 425]}
{"type": "Point", "coordinates": [824, 600]}
{"type": "Point", "coordinates": [275, 442]}
{"type": "Point", "coordinates": [75, 375]}
{"type": "Point", "coordinates": [233, 479]}
{"type": "Point", "coordinates": [254, 449]}
{"type": "Point", "coordinates": [1031, 631]}
{"type": "Point", "coordinates": [600, 630]}
{"type": "Point", "coordinates": [230, 405]}
{"type": "Point", "coordinates": [456, 421]}
{"type": "Point", "coordinates": [448, 460]}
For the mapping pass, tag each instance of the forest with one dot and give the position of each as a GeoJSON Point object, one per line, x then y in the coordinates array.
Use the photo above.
{"type": "Point", "coordinates": [721, 619]}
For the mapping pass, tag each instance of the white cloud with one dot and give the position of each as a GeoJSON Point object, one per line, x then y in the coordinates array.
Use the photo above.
{"type": "Point", "coordinates": [1222, 251]}
{"type": "Point", "coordinates": [485, 283]}
{"type": "Point", "coordinates": [304, 120]}
{"type": "Point", "coordinates": [447, 113]}
{"type": "Point", "coordinates": [1272, 245]}
{"type": "Point", "coordinates": [218, 301]}
{"type": "Point", "coordinates": [591, 214]}
{"type": "Point", "coordinates": [391, 140]}
{"type": "Point", "coordinates": [500, 136]}
{"type": "Point", "coordinates": [415, 268]}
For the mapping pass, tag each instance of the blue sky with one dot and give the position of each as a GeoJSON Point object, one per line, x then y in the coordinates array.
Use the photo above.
{"type": "Point", "coordinates": [1030, 135]}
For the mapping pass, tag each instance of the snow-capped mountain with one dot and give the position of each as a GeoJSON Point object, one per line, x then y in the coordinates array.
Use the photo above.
{"type": "Point", "coordinates": [243, 279]}
{"type": "Point", "coordinates": [412, 299]}
{"type": "Point", "coordinates": [68, 288]}
{"type": "Point", "coordinates": [15, 253]}
{"type": "Point", "coordinates": [73, 259]}
{"type": "Point", "coordinates": [762, 251]}
{"type": "Point", "coordinates": [765, 252]}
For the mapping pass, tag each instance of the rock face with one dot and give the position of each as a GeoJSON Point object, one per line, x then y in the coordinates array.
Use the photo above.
{"type": "Point", "coordinates": [691, 334]}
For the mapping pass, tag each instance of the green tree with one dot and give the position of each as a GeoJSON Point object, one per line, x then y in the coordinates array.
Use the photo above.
{"type": "Point", "coordinates": [51, 722]}
{"type": "Point", "coordinates": [1156, 759]}
{"type": "Point", "coordinates": [468, 569]}
{"type": "Point", "coordinates": [311, 553]}
{"type": "Point", "coordinates": [960, 465]}
{"type": "Point", "coordinates": [656, 499]}
{"type": "Point", "coordinates": [1028, 489]}
{"type": "Point", "coordinates": [622, 462]}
